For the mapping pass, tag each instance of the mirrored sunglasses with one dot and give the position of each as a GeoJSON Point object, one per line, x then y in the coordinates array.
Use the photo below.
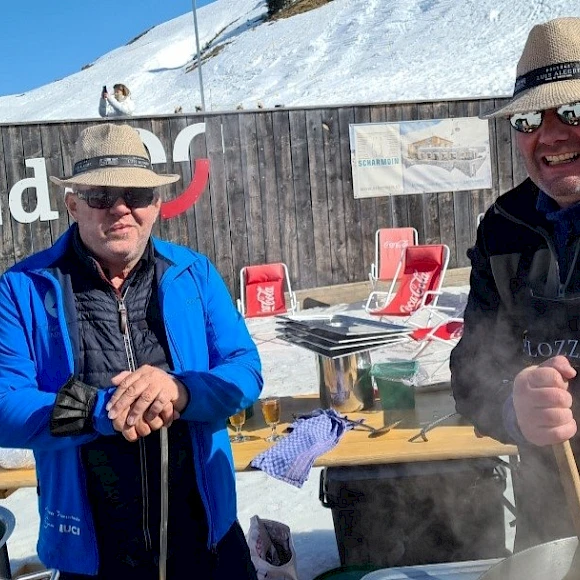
{"type": "Point", "coordinates": [528, 122]}
{"type": "Point", "coordinates": [106, 199]}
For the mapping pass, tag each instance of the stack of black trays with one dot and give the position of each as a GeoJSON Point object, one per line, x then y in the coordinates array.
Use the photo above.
{"type": "Point", "coordinates": [337, 335]}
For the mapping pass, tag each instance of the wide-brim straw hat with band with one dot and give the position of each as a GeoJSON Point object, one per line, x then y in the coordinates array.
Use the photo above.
{"type": "Point", "coordinates": [109, 155]}
{"type": "Point", "coordinates": [548, 72]}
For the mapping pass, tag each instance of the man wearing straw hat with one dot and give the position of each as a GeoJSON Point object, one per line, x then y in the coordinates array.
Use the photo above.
{"type": "Point", "coordinates": [107, 339]}
{"type": "Point", "coordinates": [514, 373]}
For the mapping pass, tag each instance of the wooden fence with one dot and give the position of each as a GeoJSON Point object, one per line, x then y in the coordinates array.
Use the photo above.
{"type": "Point", "coordinates": [280, 188]}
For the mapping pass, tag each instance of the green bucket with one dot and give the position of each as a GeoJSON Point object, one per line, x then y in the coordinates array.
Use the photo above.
{"type": "Point", "coordinates": [395, 369]}
{"type": "Point", "coordinates": [393, 381]}
{"type": "Point", "coordinates": [347, 573]}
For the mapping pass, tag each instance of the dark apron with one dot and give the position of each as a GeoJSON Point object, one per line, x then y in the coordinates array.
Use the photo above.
{"type": "Point", "coordinates": [551, 328]}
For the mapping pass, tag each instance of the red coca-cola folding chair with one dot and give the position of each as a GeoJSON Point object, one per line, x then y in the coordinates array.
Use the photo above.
{"type": "Point", "coordinates": [390, 244]}
{"type": "Point", "coordinates": [262, 290]}
{"type": "Point", "coordinates": [435, 343]}
{"type": "Point", "coordinates": [418, 281]}
{"type": "Point", "coordinates": [447, 332]}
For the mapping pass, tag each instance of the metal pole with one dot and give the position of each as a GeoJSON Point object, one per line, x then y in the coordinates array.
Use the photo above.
{"type": "Point", "coordinates": [198, 55]}
{"type": "Point", "coordinates": [164, 440]}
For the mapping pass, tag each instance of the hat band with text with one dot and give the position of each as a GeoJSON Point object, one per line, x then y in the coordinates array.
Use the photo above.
{"type": "Point", "coordinates": [548, 74]}
{"type": "Point", "coordinates": [111, 161]}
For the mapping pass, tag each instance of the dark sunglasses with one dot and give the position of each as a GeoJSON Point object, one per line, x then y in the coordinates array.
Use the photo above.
{"type": "Point", "coordinates": [528, 122]}
{"type": "Point", "coordinates": [106, 198]}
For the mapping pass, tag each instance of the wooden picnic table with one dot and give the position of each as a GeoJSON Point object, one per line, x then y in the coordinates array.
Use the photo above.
{"type": "Point", "coordinates": [453, 439]}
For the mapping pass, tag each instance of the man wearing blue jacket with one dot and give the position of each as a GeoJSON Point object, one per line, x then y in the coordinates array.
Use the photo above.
{"type": "Point", "coordinates": [107, 337]}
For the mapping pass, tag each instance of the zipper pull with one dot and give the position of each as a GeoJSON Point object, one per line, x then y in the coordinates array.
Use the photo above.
{"type": "Point", "coordinates": [122, 315]}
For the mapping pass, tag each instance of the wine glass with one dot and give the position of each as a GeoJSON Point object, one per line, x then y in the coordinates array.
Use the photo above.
{"type": "Point", "coordinates": [237, 422]}
{"type": "Point", "coordinates": [271, 412]}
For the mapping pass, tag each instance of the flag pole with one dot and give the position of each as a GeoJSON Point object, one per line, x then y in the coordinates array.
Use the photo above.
{"type": "Point", "coordinates": [198, 55]}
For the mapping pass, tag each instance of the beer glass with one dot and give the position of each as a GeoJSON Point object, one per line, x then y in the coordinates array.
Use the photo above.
{"type": "Point", "coordinates": [237, 421]}
{"type": "Point", "coordinates": [271, 413]}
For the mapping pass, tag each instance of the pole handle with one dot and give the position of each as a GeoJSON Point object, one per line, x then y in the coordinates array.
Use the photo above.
{"type": "Point", "coordinates": [570, 479]}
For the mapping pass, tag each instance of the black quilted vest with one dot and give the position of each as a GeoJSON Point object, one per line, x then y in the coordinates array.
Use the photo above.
{"type": "Point", "coordinates": [123, 478]}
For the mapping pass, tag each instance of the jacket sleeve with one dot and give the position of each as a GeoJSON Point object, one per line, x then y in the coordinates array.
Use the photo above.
{"type": "Point", "coordinates": [102, 107]}
{"type": "Point", "coordinates": [25, 407]}
{"type": "Point", "coordinates": [488, 356]}
{"type": "Point", "coordinates": [126, 107]}
{"type": "Point", "coordinates": [234, 380]}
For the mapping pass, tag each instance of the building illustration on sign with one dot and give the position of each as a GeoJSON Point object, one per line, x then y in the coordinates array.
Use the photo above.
{"type": "Point", "coordinates": [420, 156]}
{"type": "Point", "coordinates": [439, 152]}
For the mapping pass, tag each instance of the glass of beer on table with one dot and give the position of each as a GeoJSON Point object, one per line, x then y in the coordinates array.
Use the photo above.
{"type": "Point", "coordinates": [271, 413]}
{"type": "Point", "coordinates": [237, 421]}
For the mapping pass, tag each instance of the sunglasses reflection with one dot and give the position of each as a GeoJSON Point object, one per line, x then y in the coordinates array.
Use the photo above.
{"type": "Point", "coordinates": [569, 114]}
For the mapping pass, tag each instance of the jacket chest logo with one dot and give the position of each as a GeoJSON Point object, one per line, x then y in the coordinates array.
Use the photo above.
{"type": "Point", "coordinates": [568, 347]}
{"type": "Point", "coordinates": [50, 304]}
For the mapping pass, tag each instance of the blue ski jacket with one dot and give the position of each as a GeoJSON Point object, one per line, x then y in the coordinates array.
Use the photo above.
{"type": "Point", "coordinates": [212, 353]}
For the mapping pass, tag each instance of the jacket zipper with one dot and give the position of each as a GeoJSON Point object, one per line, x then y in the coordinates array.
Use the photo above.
{"type": "Point", "coordinates": [124, 326]}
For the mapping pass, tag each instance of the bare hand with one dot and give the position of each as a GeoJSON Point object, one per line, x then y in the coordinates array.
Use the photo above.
{"type": "Point", "coordinates": [143, 428]}
{"type": "Point", "coordinates": [543, 404]}
{"type": "Point", "coordinates": [148, 395]}
{"type": "Point", "coordinates": [105, 95]}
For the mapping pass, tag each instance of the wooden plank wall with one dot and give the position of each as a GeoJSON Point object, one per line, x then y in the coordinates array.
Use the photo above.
{"type": "Point", "coordinates": [280, 189]}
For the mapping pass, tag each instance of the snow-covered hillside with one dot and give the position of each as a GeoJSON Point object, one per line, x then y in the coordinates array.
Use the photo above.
{"type": "Point", "coordinates": [347, 51]}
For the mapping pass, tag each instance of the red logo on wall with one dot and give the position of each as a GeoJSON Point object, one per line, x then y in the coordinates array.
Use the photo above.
{"type": "Point", "coordinates": [200, 176]}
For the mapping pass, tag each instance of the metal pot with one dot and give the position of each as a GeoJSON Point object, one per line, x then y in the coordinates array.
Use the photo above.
{"type": "Point", "coordinates": [341, 381]}
{"type": "Point", "coordinates": [550, 561]}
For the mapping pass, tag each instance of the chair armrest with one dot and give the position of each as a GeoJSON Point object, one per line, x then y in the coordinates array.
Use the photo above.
{"type": "Point", "coordinates": [293, 302]}
{"type": "Point", "coordinates": [373, 275]}
{"type": "Point", "coordinates": [373, 295]}
{"type": "Point", "coordinates": [437, 311]}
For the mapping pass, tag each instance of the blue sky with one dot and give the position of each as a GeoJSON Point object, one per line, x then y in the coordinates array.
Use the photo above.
{"type": "Point", "coordinates": [45, 40]}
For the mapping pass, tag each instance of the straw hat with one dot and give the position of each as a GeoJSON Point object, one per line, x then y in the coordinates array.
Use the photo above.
{"type": "Point", "coordinates": [108, 155]}
{"type": "Point", "coordinates": [548, 73]}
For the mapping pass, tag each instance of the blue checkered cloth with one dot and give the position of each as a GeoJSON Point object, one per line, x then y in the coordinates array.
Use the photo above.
{"type": "Point", "coordinates": [290, 459]}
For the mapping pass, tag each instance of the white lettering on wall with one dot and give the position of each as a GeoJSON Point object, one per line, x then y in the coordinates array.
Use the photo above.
{"type": "Point", "coordinates": [184, 139]}
{"type": "Point", "coordinates": [39, 181]}
{"type": "Point", "coordinates": [180, 148]}
{"type": "Point", "coordinates": [154, 146]}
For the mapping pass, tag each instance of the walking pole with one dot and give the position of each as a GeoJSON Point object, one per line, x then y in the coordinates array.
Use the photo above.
{"type": "Point", "coordinates": [164, 504]}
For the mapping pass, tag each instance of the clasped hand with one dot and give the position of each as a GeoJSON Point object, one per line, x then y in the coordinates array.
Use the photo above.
{"type": "Point", "coordinates": [145, 400]}
{"type": "Point", "coordinates": [542, 402]}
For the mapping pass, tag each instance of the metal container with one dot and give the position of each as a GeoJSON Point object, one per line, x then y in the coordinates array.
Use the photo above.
{"type": "Point", "coordinates": [555, 560]}
{"type": "Point", "coordinates": [343, 382]}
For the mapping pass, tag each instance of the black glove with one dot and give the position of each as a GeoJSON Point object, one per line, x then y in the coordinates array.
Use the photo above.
{"type": "Point", "coordinates": [72, 413]}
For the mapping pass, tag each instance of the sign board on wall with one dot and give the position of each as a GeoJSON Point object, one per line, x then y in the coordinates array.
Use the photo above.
{"type": "Point", "coordinates": [420, 156]}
